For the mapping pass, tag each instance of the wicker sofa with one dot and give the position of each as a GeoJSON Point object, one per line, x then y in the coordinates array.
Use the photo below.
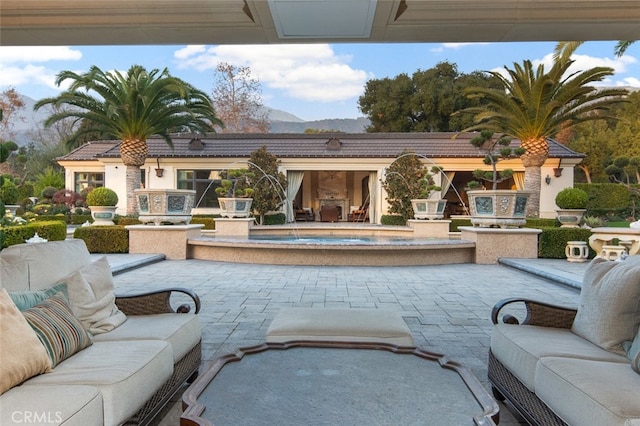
{"type": "Point", "coordinates": [136, 359]}
{"type": "Point", "coordinates": [558, 365]}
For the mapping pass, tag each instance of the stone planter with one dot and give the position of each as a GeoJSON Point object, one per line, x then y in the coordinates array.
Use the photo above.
{"type": "Point", "coordinates": [103, 215]}
{"type": "Point", "coordinates": [11, 209]}
{"type": "Point", "coordinates": [502, 208]}
{"type": "Point", "coordinates": [428, 209]}
{"type": "Point", "coordinates": [235, 207]}
{"type": "Point", "coordinates": [570, 218]}
{"type": "Point", "coordinates": [160, 206]}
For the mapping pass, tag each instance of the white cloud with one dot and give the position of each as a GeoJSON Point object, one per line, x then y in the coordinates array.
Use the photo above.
{"type": "Point", "coordinates": [15, 54]}
{"type": "Point", "coordinates": [18, 65]}
{"type": "Point", "coordinates": [306, 72]}
{"type": "Point", "coordinates": [453, 46]}
{"type": "Point", "coordinates": [584, 62]}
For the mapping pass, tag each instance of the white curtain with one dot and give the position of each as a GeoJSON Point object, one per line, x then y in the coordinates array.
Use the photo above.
{"type": "Point", "coordinates": [373, 196]}
{"type": "Point", "coordinates": [446, 181]}
{"type": "Point", "coordinates": [518, 178]}
{"type": "Point", "coordinates": [294, 180]}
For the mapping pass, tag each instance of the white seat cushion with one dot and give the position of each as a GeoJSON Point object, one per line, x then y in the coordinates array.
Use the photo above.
{"type": "Point", "coordinates": [127, 374]}
{"type": "Point", "coordinates": [52, 405]}
{"type": "Point", "coordinates": [334, 324]}
{"type": "Point", "coordinates": [519, 347]}
{"type": "Point", "coordinates": [585, 392]}
{"type": "Point", "coordinates": [181, 331]}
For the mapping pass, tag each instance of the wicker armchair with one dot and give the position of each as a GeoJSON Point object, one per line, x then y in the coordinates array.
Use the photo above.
{"type": "Point", "coordinates": [504, 384]}
{"type": "Point", "coordinates": [186, 368]}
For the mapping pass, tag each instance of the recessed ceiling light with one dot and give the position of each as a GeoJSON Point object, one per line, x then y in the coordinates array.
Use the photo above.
{"type": "Point", "coordinates": [323, 18]}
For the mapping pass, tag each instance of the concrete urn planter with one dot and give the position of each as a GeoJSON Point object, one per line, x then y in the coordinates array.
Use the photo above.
{"type": "Point", "coordinates": [160, 206]}
{"type": "Point", "coordinates": [428, 208]}
{"type": "Point", "coordinates": [570, 218]}
{"type": "Point", "coordinates": [502, 208]}
{"type": "Point", "coordinates": [103, 215]}
{"type": "Point", "coordinates": [235, 207]}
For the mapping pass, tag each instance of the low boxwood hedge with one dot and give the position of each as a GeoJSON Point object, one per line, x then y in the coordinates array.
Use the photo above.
{"type": "Point", "coordinates": [104, 239]}
{"type": "Point", "coordinates": [53, 230]}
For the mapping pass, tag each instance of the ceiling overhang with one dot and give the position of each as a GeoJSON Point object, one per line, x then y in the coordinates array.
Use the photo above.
{"type": "Point", "coordinates": [149, 22]}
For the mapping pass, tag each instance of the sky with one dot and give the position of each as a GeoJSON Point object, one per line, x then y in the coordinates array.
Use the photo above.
{"type": "Point", "coordinates": [310, 81]}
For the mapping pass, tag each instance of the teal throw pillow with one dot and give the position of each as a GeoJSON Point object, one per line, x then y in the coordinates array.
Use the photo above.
{"type": "Point", "coordinates": [28, 299]}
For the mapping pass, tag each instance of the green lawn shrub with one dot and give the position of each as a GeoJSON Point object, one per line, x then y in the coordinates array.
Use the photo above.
{"type": "Point", "coordinates": [54, 230]}
{"type": "Point", "coordinates": [104, 239]}
{"type": "Point", "coordinates": [607, 199]}
{"type": "Point", "coordinates": [455, 223]}
{"type": "Point", "coordinates": [126, 220]}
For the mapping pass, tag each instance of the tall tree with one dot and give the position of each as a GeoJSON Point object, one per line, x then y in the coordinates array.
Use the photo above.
{"type": "Point", "coordinates": [237, 100]}
{"type": "Point", "coordinates": [132, 107]}
{"type": "Point", "coordinates": [11, 103]}
{"type": "Point", "coordinates": [533, 105]}
{"type": "Point", "coordinates": [423, 102]}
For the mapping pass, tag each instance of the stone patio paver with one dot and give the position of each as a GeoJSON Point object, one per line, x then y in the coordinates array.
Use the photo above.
{"type": "Point", "coordinates": [447, 307]}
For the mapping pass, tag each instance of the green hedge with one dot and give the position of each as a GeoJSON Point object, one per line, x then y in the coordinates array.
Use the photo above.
{"type": "Point", "coordinates": [104, 239]}
{"type": "Point", "coordinates": [275, 219]}
{"type": "Point", "coordinates": [55, 230]}
{"type": "Point", "coordinates": [552, 242]}
{"type": "Point", "coordinates": [392, 219]}
{"type": "Point", "coordinates": [607, 199]}
{"type": "Point", "coordinates": [208, 222]}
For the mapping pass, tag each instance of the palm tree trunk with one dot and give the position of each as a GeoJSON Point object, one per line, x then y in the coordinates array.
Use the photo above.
{"type": "Point", "coordinates": [532, 180]}
{"type": "Point", "coordinates": [133, 182]}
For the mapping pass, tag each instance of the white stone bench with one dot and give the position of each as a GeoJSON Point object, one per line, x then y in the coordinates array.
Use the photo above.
{"type": "Point", "coordinates": [338, 324]}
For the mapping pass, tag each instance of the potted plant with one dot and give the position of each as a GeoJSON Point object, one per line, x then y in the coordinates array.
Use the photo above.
{"type": "Point", "coordinates": [234, 193]}
{"type": "Point", "coordinates": [160, 206]}
{"type": "Point", "coordinates": [102, 203]}
{"type": "Point", "coordinates": [9, 195]}
{"type": "Point", "coordinates": [572, 204]}
{"type": "Point", "coordinates": [428, 204]}
{"type": "Point", "coordinates": [504, 208]}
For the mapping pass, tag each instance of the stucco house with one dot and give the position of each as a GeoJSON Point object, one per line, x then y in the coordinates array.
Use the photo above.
{"type": "Point", "coordinates": [326, 168]}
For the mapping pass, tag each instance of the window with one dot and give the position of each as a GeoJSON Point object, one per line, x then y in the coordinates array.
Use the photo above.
{"type": "Point", "coordinates": [204, 182]}
{"type": "Point", "coordinates": [85, 179]}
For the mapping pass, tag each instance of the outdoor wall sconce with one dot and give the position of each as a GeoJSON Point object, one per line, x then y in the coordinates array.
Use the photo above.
{"type": "Point", "coordinates": [547, 180]}
{"type": "Point", "coordinates": [159, 171]}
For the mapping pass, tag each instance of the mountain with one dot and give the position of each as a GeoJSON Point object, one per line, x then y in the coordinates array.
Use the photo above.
{"type": "Point", "coordinates": [281, 122]}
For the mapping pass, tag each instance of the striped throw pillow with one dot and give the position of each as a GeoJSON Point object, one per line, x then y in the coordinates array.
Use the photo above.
{"type": "Point", "coordinates": [58, 329]}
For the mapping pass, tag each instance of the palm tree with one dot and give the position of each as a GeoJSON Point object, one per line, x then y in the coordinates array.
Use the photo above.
{"type": "Point", "coordinates": [533, 105]}
{"type": "Point", "coordinates": [132, 107]}
{"type": "Point", "coordinates": [564, 47]}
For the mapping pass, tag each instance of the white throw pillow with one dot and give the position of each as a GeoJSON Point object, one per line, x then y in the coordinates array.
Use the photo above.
{"type": "Point", "coordinates": [609, 311]}
{"type": "Point", "coordinates": [92, 297]}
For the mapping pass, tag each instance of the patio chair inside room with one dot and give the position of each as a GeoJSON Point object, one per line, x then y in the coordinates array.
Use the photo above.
{"type": "Point", "coordinates": [359, 214]}
{"type": "Point", "coordinates": [304, 214]}
{"type": "Point", "coordinates": [330, 213]}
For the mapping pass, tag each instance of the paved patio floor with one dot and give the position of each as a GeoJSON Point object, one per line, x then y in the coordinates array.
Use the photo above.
{"type": "Point", "coordinates": [446, 307]}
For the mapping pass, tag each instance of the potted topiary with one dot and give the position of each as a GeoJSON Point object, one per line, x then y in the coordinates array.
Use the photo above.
{"type": "Point", "coordinates": [9, 195]}
{"type": "Point", "coordinates": [496, 207]}
{"type": "Point", "coordinates": [102, 203]}
{"type": "Point", "coordinates": [234, 193]}
{"type": "Point", "coordinates": [428, 204]}
{"type": "Point", "coordinates": [572, 203]}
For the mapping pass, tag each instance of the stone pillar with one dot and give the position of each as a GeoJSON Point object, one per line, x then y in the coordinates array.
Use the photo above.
{"type": "Point", "coordinates": [494, 243]}
{"type": "Point", "coordinates": [233, 227]}
{"type": "Point", "coordinates": [429, 228]}
{"type": "Point", "coordinates": [168, 239]}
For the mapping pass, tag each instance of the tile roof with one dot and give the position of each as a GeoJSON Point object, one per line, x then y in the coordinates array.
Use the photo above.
{"type": "Point", "coordinates": [321, 145]}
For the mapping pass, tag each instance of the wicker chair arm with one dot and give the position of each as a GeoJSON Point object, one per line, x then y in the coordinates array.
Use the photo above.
{"type": "Point", "coordinates": [537, 313]}
{"type": "Point", "coordinates": [156, 302]}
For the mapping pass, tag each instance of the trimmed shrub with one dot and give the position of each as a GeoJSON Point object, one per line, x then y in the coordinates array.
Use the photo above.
{"type": "Point", "coordinates": [275, 219]}
{"type": "Point", "coordinates": [104, 239]}
{"type": "Point", "coordinates": [54, 230]}
{"type": "Point", "coordinates": [102, 197]}
{"type": "Point", "coordinates": [208, 222]}
{"type": "Point", "coordinates": [572, 198]}
{"type": "Point", "coordinates": [455, 223]}
{"type": "Point", "coordinates": [126, 220]}
{"type": "Point", "coordinates": [553, 241]}
{"type": "Point", "coordinates": [393, 219]}
{"type": "Point", "coordinates": [607, 199]}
